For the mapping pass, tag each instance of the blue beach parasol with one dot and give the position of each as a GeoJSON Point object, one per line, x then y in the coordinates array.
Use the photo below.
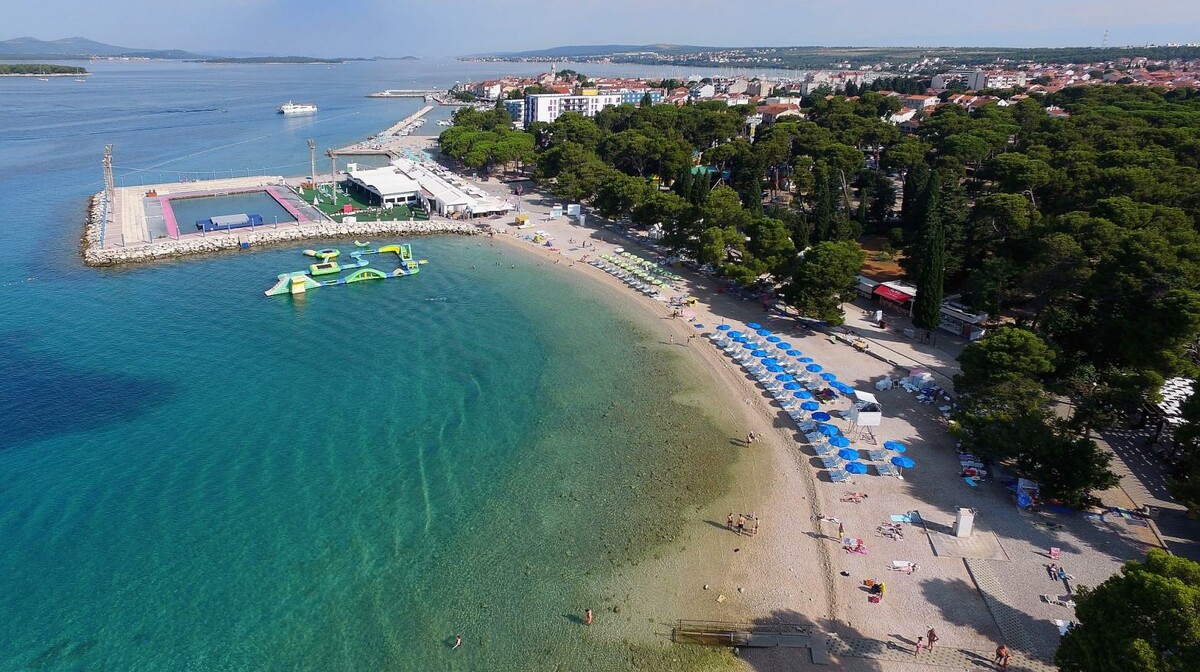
{"type": "Point", "coordinates": [763, 332]}
{"type": "Point", "coordinates": [842, 387]}
{"type": "Point", "coordinates": [791, 386]}
{"type": "Point", "coordinates": [749, 346]}
{"type": "Point", "coordinates": [773, 339]}
{"type": "Point", "coordinates": [856, 468]}
{"type": "Point", "coordinates": [821, 416]}
{"type": "Point", "coordinates": [828, 429]}
{"type": "Point", "coordinates": [839, 441]}
{"type": "Point", "coordinates": [895, 446]}
{"type": "Point", "coordinates": [724, 327]}
{"type": "Point", "coordinates": [783, 346]}
{"type": "Point", "coordinates": [828, 377]}
{"type": "Point", "coordinates": [759, 353]}
{"type": "Point", "coordinates": [736, 334]}
{"type": "Point", "coordinates": [810, 406]}
{"type": "Point", "coordinates": [803, 394]}
{"type": "Point", "coordinates": [793, 353]}
{"type": "Point", "coordinates": [775, 369]}
{"type": "Point", "coordinates": [754, 325]}
{"type": "Point", "coordinates": [768, 361]}
{"type": "Point", "coordinates": [848, 454]}
{"type": "Point", "coordinates": [805, 360]}
{"type": "Point", "coordinates": [813, 368]}
{"type": "Point", "coordinates": [784, 378]}
{"type": "Point", "coordinates": [903, 462]}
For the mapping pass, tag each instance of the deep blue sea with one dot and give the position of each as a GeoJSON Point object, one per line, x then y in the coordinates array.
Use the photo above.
{"type": "Point", "coordinates": [197, 477]}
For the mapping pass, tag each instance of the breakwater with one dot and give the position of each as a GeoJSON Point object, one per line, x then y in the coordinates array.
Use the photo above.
{"type": "Point", "coordinates": [94, 255]}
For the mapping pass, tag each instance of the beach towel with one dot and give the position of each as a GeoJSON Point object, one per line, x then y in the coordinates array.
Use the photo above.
{"type": "Point", "coordinates": [902, 565]}
{"type": "Point", "coordinates": [970, 481]}
{"type": "Point", "coordinates": [905, 518]}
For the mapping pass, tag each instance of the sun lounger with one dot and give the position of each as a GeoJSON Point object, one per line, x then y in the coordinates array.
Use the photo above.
{"type": "Point", "coordinates": [823, 449]}
{"type": "Point", "coordinates": [808, 426]}
{"type": "Point", "coordinates": [877, 455]}
{"type": "Point", "coordinates": [838, 476]}
{"type": "Point", "coordinates": [831, 462]}
{"type": "Point", "coordinates": [903, 566]}
{"type": "Point", "coordinates": [1055, 600]}
{"type": "Point", "coordinates": [886, 469]}
{"type": "Point", "coordinates": [815, 437]}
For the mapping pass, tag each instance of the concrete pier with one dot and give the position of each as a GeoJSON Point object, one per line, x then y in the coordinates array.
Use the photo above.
{"type": "Point", "coordinates": [385, 141]}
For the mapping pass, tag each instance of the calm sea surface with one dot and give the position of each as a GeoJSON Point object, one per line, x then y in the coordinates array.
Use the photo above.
{"type": "Point", "coordinates": [194, 476]}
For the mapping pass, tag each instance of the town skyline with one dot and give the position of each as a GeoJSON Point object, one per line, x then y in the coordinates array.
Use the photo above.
{"type": "Point", "coordinates": [306, 27]}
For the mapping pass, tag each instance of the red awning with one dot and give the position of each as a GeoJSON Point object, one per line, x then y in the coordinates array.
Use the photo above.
{"type": "Point", "coordinates": [892, 294]}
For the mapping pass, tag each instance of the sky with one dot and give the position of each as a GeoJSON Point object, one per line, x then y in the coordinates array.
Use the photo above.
{"type": "Point", "coordinates": [428, 28]}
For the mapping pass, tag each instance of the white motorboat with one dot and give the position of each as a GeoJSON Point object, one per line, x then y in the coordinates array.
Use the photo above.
{"type": "Point", "coordinates": [293, 109]}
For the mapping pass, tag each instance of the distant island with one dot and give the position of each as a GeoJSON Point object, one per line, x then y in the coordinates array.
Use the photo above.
{"type": "Point", "coordinates": [269, 60]}
{"type": "Point", "coordinates": [40, 70]}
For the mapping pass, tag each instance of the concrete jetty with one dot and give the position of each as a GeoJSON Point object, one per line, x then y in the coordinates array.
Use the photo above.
{"type": "Point", "coordinates": [384, 142]}
{"type": "Point", "coordinates": [406, 93]}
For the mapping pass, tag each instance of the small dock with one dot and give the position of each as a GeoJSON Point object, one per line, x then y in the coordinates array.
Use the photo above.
{"type": "Point", "coordinates": [758, 635]}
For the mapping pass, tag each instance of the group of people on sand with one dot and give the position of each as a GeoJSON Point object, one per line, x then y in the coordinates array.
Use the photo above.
{"type": "Point", "coordinates": [741, 526]}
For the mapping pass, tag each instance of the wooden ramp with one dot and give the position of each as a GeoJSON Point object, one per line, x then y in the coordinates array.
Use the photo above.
{"type": "Point", "coordinates": [758, 635]}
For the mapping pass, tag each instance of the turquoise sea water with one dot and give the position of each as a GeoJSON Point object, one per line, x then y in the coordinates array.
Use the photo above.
{"type": "Point", "coordinates": [195, 476]}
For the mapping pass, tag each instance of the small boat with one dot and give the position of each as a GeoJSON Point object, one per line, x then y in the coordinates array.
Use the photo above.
{"type": "Point", "coordinates": [358, 244]}
{"type": "Point", "coordinates": [81, 79]}
{"type": "Point", "coordinates": [43, 79]}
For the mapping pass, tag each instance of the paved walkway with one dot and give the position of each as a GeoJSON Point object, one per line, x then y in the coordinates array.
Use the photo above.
{"type": "Point", "coordinates": [1007, 618]}
{"type": "Point", "coordinates": [940, 656]}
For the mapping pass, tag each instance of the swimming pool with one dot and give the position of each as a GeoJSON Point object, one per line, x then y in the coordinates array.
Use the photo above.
{"type": "Point", "coordinates": [190, 209]}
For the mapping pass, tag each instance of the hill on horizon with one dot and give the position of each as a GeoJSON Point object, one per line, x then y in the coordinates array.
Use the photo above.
{"type": "Point", "coordinates": [80, 47]}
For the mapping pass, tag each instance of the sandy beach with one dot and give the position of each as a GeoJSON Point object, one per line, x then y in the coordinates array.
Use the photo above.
{"type": "Point", "coordinates": [795, 570]}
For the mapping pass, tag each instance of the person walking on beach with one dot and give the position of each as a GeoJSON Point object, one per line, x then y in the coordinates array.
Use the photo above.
{"type": "Point", "coordinates": [672, 339]}
{"type": "Point", "coordinates": [729, 521]}
{"type": "Point", "coordinates": [932, 637]}
{"type": "Point", "coordinates": [754, 532]}
{"type": "Point", "coordinates": [919, 645]}
{"type": "Point", "coordinates": [749, 438]}
{"type": "Point", "coordinates": [741, 523]}
{"type": "Point", "coordinates": [457, 642]}
{"type": "Point", "coordinates": [587, 617]}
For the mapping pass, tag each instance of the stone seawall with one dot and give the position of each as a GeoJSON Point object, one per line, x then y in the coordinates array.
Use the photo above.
{"type": "Point", "coordinates": [94, 255]}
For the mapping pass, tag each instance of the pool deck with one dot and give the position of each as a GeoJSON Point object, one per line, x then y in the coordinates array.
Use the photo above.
{"type": "Point", "coordinates": [126, 226]}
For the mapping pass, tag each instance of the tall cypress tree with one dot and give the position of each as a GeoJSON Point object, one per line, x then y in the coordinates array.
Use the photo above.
{"type": "Point", "coordinates": [822, 203]}
{"type": "Point", "coordinates": [931, 272]}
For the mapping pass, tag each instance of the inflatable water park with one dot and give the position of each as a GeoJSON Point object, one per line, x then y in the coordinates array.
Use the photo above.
{"type": "Point", "coordinates": [318, 274]}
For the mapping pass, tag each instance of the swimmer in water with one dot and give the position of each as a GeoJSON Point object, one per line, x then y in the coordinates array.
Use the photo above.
{"type": "Point", "coordinates": [457, 642]}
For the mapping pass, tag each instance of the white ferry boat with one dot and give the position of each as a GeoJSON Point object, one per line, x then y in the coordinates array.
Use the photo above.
{"type": "Point", "coordinates": [291, 109]}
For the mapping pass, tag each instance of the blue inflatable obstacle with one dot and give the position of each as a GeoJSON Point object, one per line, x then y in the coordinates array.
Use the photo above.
{"type": "Point", "coordinates": [228, 222]}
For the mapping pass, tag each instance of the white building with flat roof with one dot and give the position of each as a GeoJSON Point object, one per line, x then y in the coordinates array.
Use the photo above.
{"type": "Point", "coordinates": [447, 194]}
{"type": "Point", "coordinates": [389, 185]}
{"type": "Point", "coordinates": [547, 107]}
